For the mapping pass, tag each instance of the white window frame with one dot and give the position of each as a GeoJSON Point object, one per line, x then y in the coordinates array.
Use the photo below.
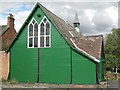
{"type": "Point", "coordinates": [39, 34]}
{"type": "Point", "coordinates": [33, 33]}
{"type": "Point", "coordinates": [45, 33]}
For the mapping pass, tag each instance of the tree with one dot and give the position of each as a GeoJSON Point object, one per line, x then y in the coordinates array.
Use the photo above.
{"type": "Point", "coordinates": [112, 49]}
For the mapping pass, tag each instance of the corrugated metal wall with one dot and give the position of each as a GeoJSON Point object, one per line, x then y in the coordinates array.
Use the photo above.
{"type": "Point", "coordinates": [84, 70]}
{"type": "Point", "coordinates": [54, 62]}
{"type": "Point", "coordinates": [23, 66]}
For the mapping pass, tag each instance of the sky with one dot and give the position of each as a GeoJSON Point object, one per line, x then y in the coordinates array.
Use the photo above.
{"type": "Point", "coordinates": [95, 17]}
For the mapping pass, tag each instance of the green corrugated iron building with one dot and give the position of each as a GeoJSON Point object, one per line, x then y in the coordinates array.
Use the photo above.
{"type": "Point", "coordinates": [48, 50]}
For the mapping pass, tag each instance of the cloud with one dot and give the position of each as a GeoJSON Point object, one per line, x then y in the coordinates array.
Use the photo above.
{"type": "Point", "coordinates": [85, 24]}
{"type": "Point", "coordinates": [90, 13]}
{"type": "Point", "coordinates": [8, 7]}
{"type": "Point", "coordinates": [102, 22]}
{"type": "Point", "coordinates": [19, 10]}
{"type": "Point", "coordinates": [3, 20]}
{"type": "Point", "coordinates": [113, 14]}
{"type": "Point", "coordinates": [20, 18]}
{"type": "Point", "coordinates": [67, 7]}
{"type": "Point", "coordinates": [94, 17]}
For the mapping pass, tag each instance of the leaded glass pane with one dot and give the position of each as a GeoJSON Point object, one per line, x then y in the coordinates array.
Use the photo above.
{"type": "Point", "coordinates": [47, 41]}
{"type": "Point", "coordinates": [42, 29]}
{"type": "Point", "coordinates": [30, 42]}
{"type": "Point", "coordinates": [45, 20]}
{"type": "Point", "coordinates": [47, 29]}
{"type": "Point", "coordinates": [35, 41]}
{"type": "Point", "coordinates": [41, 41]}
{"type": "Point", "coordinates": [31, 30]}
{"type": "Point", "coordinates": [36, 29]}
{"type": "Point", "coordinates": [33, 21]}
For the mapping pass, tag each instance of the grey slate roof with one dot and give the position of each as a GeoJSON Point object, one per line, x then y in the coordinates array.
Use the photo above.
{"type": "Point", "coordinates": [61, 24]}
{"type": "Point", "coordinates": [3, 28]}
{"type": "Point", "coordinates": [90, 44]}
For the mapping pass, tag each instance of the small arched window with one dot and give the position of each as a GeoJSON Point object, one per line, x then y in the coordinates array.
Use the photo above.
{"type": "Point", "coordinates": [39, 35]}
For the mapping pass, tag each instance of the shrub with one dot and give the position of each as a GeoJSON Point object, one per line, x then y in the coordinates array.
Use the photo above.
{"type": "Point", "coordinates": [3, 80]}
{"type": "Point", "coordinates": [13, 81]}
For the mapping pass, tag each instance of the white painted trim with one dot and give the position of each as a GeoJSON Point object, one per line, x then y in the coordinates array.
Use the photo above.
{"type": "Point", "coordinates": [84, 51]}
{"type": "Point", "coordinates": [38, 36]}
{"type": "Point", "coordinates": [71, 34]}
{"type": "Point", "coordinates": [39, 33]}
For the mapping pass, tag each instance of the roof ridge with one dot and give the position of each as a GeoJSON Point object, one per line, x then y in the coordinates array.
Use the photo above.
{"type": "Point", "coordinates": [63, 30]}
{"type": "Point", "coordinates": [56, 23]}
{"type": "Point", "coordinates": [94, 35]}
{"type": "Point", "coordinates": [56, 15]}
{"type": "Point", "coordinates": [3, 29]}
{"type": "Point", "coordinates": [3, 25]}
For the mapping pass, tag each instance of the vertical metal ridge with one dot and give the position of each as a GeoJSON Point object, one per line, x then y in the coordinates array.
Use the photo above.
{"type": "Point", "coordinates": [38, 67]}
{"type": "Point", "coordinates": [97, 80]}
{"type": "Point", "coordinates": [71, 64]}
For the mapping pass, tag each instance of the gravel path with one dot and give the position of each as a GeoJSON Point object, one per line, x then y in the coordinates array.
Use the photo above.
{"type": "Point", "coordinates": [47, 85]}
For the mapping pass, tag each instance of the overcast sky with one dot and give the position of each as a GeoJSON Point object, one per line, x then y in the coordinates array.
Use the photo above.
{"type": "Point", "coordinates": [94, 17]}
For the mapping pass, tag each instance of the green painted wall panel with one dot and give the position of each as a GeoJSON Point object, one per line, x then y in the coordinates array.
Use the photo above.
{"type": "Point", "coordinates": [24, 61]}
{"type": "Point", "coordinates": [83, 71]}
{"type": "Point", "coordinates": [55, 61]}
{"type": "Point", "coordinates": [23, 67]}
{"type": "Point", "coordinates": [101, 64]}
{"type": "Point", "coordinates": [38, 19]}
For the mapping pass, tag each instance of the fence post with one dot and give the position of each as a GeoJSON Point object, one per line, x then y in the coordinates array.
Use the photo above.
{"type": "Point", "coordinates": [107, 81]}
{"type": "Point", "coordinates": [117, 77]}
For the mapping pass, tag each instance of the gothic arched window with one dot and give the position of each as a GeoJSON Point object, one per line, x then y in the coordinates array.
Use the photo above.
{"type": "Point", "coordinates": [33, 34]}
{"type": "Point", "coordinates": [44, 33]}
{"type": "Point", "coordinates": [39, 35]}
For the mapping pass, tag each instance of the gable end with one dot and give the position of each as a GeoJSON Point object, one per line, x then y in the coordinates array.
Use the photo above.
{"type": "Point", "coordinates": [38, 5]}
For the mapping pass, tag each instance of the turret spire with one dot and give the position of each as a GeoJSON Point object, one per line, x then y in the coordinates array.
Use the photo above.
{"type": "Point", "coordinates": [76, 20]}
{"type": "Point", "coordinates": [76, 23]}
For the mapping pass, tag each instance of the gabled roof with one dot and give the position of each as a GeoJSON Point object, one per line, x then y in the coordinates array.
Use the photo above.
{"type": "Point", "coordinates": [6, 36]}
{"type": "Point", "coordinates": [3, 29]}
{"type": "Point", "coordinates": [61, 24]}
{"type": "Point", "coordinates": [68, 31]}
{"type": "Point", "coordinates": [62, 27]}
{"type": "Point", "coordinates": [90, 44]}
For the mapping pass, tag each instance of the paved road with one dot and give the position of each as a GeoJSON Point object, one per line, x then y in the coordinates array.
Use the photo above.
{"type": "Point", "coordinates": [112, 83]}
